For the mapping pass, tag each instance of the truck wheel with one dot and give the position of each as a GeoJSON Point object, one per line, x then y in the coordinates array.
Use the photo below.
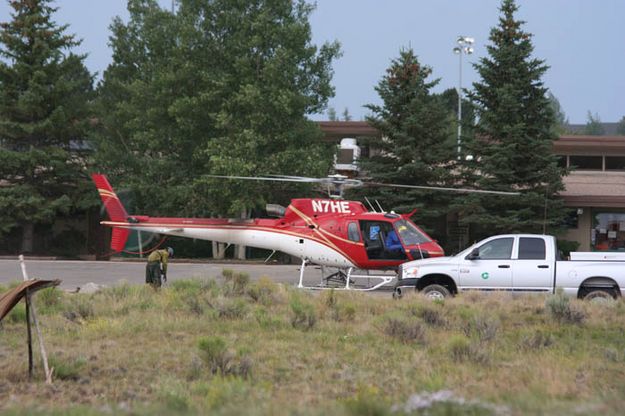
{"type": "Point", "coordinates": [599, 295]}
{"type": "Point", "coordinates": [397, 293]}
{"type": "Point", "coordinates": [436, 292]}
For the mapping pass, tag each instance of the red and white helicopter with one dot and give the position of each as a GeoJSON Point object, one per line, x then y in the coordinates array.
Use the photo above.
{"type": "Point", "coordinates": [331, 233]}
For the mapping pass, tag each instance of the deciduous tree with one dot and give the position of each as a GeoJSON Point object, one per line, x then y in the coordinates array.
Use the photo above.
{"type": "Point", "coordinates": [221, 87]}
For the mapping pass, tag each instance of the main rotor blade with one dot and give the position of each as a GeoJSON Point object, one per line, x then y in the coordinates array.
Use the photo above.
{"type": "Point", "coordinates": [266, 178]}
{"type": "Point", "coordinates": [440, 188]}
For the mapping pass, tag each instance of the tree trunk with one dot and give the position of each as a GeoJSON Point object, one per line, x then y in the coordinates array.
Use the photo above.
{"type": "Point", "coordinates": [28, 231]}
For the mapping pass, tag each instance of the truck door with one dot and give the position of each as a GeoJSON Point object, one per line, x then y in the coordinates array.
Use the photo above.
{"type": "Point", "coordinates": [492, 269]}
{"type": "Point", "coordinates": [532, 272]}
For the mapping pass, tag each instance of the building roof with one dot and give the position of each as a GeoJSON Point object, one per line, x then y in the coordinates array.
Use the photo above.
{"type": "Point", "coordinates": [595, 189]}
{"type": "Point", "coordinates": [566, 144]}
{"type": "Point", "coordinates": [590, 145]}
{"type": "Point", "coordinates": [583, 188]}
{"type": "Point", "coordinates": [337, 130]}
{"type": "Point", "coordinates": [609, 128]}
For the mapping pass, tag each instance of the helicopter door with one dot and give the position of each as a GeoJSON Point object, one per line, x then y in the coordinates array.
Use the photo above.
{"type": "Point", "coordinates": [381, 241]}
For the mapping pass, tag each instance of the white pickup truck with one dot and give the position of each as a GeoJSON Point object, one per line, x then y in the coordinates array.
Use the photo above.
{"type": "Point", "coordinates": [518, 263]}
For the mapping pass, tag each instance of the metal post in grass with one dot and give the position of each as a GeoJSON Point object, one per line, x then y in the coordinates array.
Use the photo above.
{"type": "Point", "coordinates": [30, 336]}
{"type": "Point", "coordinates": [31, 312]}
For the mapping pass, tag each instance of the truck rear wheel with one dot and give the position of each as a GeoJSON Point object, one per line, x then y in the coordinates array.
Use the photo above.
{"type": "Point", "coordinates": [599, 295]}
{"type": "Point", "coordinates": [436, 292]}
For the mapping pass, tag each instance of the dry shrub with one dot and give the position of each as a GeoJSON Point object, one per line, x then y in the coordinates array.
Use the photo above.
{"type": "Point", "coordinates": [302, 314]}
{"type": "Point", "coordinates": [219, 360]}
{"type": "Point", "coordinates": [460, 348]}
{"type": "Point", "coordinates": [195, 305]}
{"type": "Point", "coordinates": [236, 282]}
{"type": "Point", "coordinates": [342, 310]}
{"type": "Point", "coordinates": [264, 291]}
{"type": "Point", "coordinates": [483, 327]}
{"type": "Point", "coordinates": [48, 300]}
{"type": "Point", "coordinates": [66, 368]}
{"type": "Point", "coordinates": [406, 331]}
{"type": "Point", "coordinates": [537, 340]}
{"type": "Point", "coordinates": [562, 310]}
{"type": "Point", "coordinates": [79, 308]}
{"type": "Point", "coordinates": [231, 308]}
{"type": "Point", "coordinates": [432, 317]}
{"type": "Point", "coordinates": [267, 320]}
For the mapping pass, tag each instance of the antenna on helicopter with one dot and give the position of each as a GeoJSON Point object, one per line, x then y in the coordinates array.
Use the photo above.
{"type": "Point", "coordinates": [381, 209]}
{"type": "Point", "coordinates": [370, 205]}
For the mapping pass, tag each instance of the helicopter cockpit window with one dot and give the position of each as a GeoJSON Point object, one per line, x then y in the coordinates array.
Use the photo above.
{"type": "Point", "coordinates": [410, 234]}
{"type": "Point", "coordinates": [374, 232]}
{"type": "Point", "coordinates": [352, 232]}
{"type": "Point", "coordinates": [381, 241]}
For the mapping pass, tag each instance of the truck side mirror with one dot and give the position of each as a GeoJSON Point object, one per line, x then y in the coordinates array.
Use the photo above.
{"type": "Point", "coordinates": [474, 255]}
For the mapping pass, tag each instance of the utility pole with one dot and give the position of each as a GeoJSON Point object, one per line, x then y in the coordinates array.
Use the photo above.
{"type": "Point", "coordinates": [464, 47]}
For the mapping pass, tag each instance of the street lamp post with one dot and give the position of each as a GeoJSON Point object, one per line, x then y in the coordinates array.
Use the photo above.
{"type": "Point", "coordinates": [464, 47]}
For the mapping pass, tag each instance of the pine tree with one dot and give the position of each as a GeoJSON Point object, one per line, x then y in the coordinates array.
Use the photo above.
{"type": "Point", "coordinates": [415, 148]}
{"type": "Point", "coordinates": [44, 114]}
{"type": "Point", "coordinates": [593, 125]}
{"type": "Point", "coordinates": [515, 134]}
{"type": "Point", "coordinates": [620, 127]}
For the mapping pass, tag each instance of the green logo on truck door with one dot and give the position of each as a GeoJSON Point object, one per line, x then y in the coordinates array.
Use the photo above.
{"type": "Point", "coordinates": [485, 275]}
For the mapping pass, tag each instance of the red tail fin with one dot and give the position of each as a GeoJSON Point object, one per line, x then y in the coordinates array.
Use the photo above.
{"type": "Point", "coordinates": [114, 208]}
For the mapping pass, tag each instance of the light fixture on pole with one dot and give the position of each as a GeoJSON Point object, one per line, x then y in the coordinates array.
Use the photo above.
{"type": "Point", "coordinates": [464, 47]}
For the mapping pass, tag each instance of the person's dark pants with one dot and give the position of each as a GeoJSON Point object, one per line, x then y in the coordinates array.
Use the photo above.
{"type": "Point", "coordinates": [153, 274]}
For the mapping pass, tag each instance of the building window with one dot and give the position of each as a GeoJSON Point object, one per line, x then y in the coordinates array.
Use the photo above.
{"type": "Point", "coordinates": [615, 163]}
{"type": "Point", "coordinates": [608, 232]}
{"type": "Point", "coordinates": [571, 219]}
{"type": "Point", "coordinates": [562, 162]}
{"type": "Point", "coordinates": [586, 162]}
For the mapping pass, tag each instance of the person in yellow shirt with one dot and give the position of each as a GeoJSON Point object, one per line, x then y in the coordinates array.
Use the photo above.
{"type": "Point", "coordinates": [157, 267]}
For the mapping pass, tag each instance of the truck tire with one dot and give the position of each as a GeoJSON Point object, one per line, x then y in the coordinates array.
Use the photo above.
{"type": "Point", "coordinates": [599, 295]}
{"type": "Point", "coordinates": [436, 292]}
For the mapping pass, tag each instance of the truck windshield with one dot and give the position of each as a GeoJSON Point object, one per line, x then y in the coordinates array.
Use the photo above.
{"type": "Point", "coordinates": [410, 234]}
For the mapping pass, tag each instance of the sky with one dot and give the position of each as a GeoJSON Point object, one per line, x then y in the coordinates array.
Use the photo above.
{"type": "Point", "coordinates": [582, 41]}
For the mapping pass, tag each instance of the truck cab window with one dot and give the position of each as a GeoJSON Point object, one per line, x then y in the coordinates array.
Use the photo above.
{"type": "Point", "coordinates": [499, 249]}
{"type": "Point", "coordinates": [531, 249]}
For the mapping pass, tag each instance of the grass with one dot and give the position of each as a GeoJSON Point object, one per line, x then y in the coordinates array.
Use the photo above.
{"type": "Point", "coordinates": [260, 348]}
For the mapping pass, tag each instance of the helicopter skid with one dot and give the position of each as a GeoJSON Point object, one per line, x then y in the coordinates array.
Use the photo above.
{"type": "Point", "coordinates": [347, 279]}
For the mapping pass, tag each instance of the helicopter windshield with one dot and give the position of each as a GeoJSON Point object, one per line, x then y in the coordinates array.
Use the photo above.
{"type": "Point", "coordinates": [409, 233]}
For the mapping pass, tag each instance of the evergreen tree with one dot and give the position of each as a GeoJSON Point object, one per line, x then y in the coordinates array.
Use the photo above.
{"type": "Point", "coordinates": [449, 98]}
{"type": "Point", "coordinates": [560, 117]}
{"type": "Point", "coordinates": [515, 134]}
{"type": "Point", "coordinates": [415, 148]}
{"type": "Point", "coordinates": [44, 112]}
{"type": "Point", "coordinates": [620, 128]}
{"type": "Point", "coordinates": [332, 116]}
{"type": "Point", "coordinates": [346, 115]}
{"type": "Point", "coordinates": [593, 125]}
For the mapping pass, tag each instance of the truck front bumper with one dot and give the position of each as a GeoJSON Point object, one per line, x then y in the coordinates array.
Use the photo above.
{"type": "Point", "coordinates": [404, 286]}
